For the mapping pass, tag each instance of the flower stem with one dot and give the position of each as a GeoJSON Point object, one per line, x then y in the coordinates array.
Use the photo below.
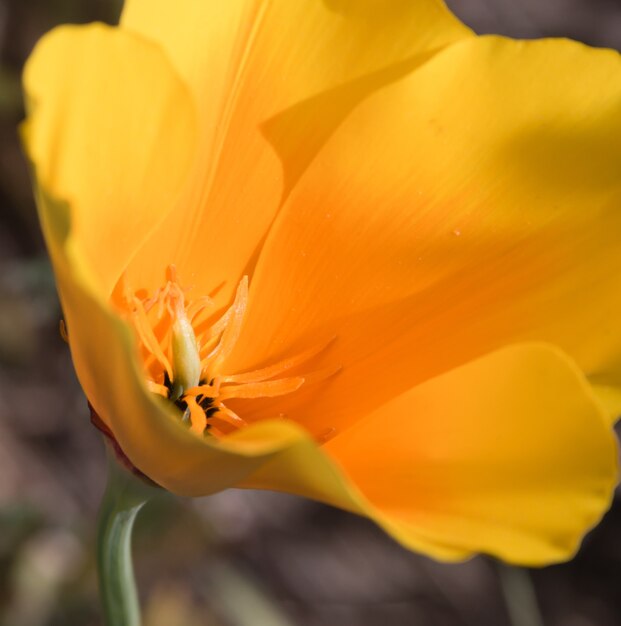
{"type": "Point", "coordinates": [124, 497]}
{"type": "Point", "coordinates": [519, 594]}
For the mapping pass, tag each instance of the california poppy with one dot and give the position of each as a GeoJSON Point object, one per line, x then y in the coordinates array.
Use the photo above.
{"type": "Point", "coordinates": [344, 249]}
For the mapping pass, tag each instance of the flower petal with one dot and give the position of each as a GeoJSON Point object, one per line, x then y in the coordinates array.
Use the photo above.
{"type": "Point", "coordinates": [111, 129]}
{"type": "Point", "coordinates": [471, 205]}
{"type": "Point", "coordinates": [110, 134]}
{"type": "Point", "coordinates": [246, 60]}
{"type": "Point", "coordinates": [149, 431]}
{"type": "Point", "coordinates": [509, 455]}
{"type": "Point", "coordinates": [457, 477]}
{"type": "Point", "coordinates": [282, 52]}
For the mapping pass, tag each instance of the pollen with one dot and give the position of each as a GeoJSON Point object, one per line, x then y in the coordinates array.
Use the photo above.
{"type": "Point", "coordinates": [184, 343]}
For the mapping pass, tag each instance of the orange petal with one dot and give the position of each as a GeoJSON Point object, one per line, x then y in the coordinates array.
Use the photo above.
{"type": "Point", "coordinates": [473, 204]}
{"type": "Point", "coordinates": [537, 432]}
{"type": "Point", "coordinates": [509, 455]}
{"type": "Point", "coordinates": [246, 61]}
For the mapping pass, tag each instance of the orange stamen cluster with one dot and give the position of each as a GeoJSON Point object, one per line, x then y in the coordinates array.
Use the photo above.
{"type": "Point", "coordinates": [212, 337]}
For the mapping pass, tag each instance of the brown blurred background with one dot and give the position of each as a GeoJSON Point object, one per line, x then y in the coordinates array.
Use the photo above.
{"type": "Point", "coordinates": [238, 558]}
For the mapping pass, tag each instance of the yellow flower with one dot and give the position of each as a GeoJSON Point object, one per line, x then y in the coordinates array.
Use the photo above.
{"type": "Point", "coordinates": [343, 249]}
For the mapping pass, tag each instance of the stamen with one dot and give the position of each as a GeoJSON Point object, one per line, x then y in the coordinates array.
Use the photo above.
{"type": "Point", "coordinates": [267, 389]}
{"type": "Point", "coordinates": [153, 387]}
{"type": "Point", "coordinates": [171, 273]}
{"type": "Point", "coordinates": [278, 368]}
{"type": "Point", "coordinates": [215, 329]}
{"type": "Point", "coordinates": [233, 329]}
{"type": "Point", "coordinates": [202, 390]}
{"type": "Point", "coordinates": [319, 376]}
{"type": "Point", "coordinates": [184, 350]}
{"type": "Point", "coordinates": [225, 414]}
{"type": "Point", "coordinates": [197, 416]}
{"type": "Point", "coordinates": [198, 306]}
{"type": "Point", "coordinates": [145, 331]}
{"type": "Point", "coordinates": [122, 294]}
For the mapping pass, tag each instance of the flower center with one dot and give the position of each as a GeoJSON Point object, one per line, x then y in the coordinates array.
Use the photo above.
{"type": "Point", "coordinates": [184, 344]}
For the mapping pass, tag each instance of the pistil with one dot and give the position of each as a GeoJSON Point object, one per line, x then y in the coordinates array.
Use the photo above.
{"type": "Point", "coordinates": [186, 361]}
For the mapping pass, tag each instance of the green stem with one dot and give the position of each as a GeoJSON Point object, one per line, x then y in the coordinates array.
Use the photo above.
{"type": "Point", "coordinates": [125, 495]}
{"type": "Point", "coordinates": [520, 598]}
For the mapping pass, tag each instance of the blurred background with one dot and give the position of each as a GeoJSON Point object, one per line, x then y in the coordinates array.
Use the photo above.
{"type": "Point", "coordinates": [238, 558]}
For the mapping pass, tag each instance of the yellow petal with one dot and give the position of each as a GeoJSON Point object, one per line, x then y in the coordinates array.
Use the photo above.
{"type": "Point", "coordinates": [471, 205]}
{"type": "Point", "coordinates": [509, 455]}
{"type": "Point", "coordinates": [610, 399]}
{"type": "Point", "coordinates": [111, 130]}
{"type": "Point", "coordinates": [282, 52]}
{"type": "Point", "coordinates": [252, 58]}
{"type": "Point", "coordinates": [247, 60]}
